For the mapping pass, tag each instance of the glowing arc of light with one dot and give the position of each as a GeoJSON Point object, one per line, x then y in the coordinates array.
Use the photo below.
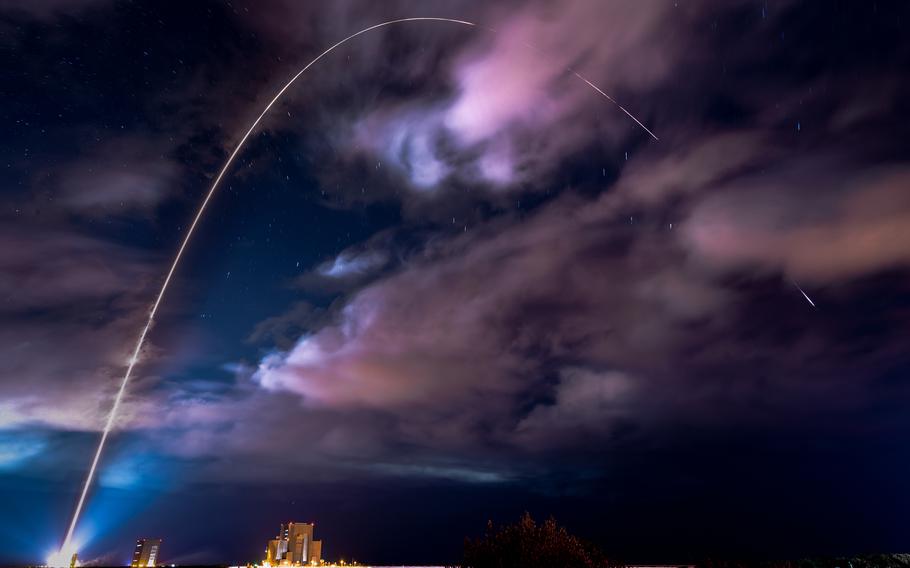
{"type": "Point", "coordinates": [803, 292]}
{"type": "Point", "coordinates": [615, 102]}
{"type": "Point", "coordinates": [186, 239]}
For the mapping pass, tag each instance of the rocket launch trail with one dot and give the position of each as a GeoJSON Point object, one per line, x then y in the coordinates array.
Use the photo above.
{"type": "Point", "coordinates": [803, 292]}
{"type": "Point", "coordinates": [619, 106]}
{"type": "Point", "coordinates": [112, 417]}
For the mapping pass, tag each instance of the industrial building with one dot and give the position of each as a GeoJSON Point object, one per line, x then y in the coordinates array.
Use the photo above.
{"type": "Point", "coordinates": [147, 553]}
{"type": "Point", "coordinates": [294, 546]}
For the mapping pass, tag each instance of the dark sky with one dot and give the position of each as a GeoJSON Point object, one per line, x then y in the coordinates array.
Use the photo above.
{"type": "Point", "coordinates": [447, 282]}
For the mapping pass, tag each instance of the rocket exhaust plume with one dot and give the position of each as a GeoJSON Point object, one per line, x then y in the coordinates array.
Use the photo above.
{"type": "Point", "coordinates": [112, 417]}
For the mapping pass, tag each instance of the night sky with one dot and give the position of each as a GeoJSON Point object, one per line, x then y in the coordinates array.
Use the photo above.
{"type": "Point", "coordinates": [447, 282]}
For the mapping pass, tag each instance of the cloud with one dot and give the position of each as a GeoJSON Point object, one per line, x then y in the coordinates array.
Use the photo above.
{"type": "Point", "coordinates": [283, 330]}
{"type": "Point", "coordinates": [17, 447]}
{"type": "Point", "coordinates": [586, 404]}
{"type": "Point", "coordinates": [350, 264]}
{"type": "Point", "coordinates": [499, 107]}
{"type": "Point", "coordinates": [54, 269]}
{"type": "Point", "coordinates": [71, 305]}
{"type": "Point", "coordinates": [581, 324]}
{"type": "Point", "coordinates": [628, 307]}
{"type": "Point", "coordinates": [661, 175]}
{"type": "Point", "coordinates": [454, 346]}
{"type": "Point", "coordinates": [120, 176]}
{"type": "Point", "coordinates": [811, 225]}
{"type": "Point", "coordinates": [530, 51]}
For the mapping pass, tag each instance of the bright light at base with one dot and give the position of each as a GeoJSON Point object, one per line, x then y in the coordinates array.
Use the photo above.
{"type": "Point", "coordinates": [62, 558]}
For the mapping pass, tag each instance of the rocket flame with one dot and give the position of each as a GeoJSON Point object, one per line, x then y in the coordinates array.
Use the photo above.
{"type": "Point", "coordinates": [63, 558]}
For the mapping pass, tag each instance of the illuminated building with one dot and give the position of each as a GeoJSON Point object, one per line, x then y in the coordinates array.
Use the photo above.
{"type": "Point", "coordinates": [316, 552]}
{"type": "Point", "coordinates": [277, 549]}
{"type": "Point", "coordinates": [146, 553]}
{"type": "Point", "coordinates": [294, 546]}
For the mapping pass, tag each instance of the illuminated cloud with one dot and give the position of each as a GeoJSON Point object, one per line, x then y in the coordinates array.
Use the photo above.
{"type": "Point", "coordinates": [585, 404]}
{"type": "Point", "coordinates": [614, 305]}
{"type": "Point", "coordinates": [513, 111]}
{"type": "Point", "coordinates": [350, 264]}
{"type": "Point", "coordinates": [809, 225]}
{"type": "Point", "coordinates": [457, 341]}
{"type": "Point", "coordinates": [118, 177]}
{"type": "Point", "coordinates": [16, 448]}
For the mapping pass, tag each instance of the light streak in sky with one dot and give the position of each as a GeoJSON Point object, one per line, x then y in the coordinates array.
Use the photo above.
{"type": "Point", "coordinates": [112, 417]}
{"type": "Point", "coordinates": [806, 296]}
{"type": "Point", "coordinates": [612, 100]}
